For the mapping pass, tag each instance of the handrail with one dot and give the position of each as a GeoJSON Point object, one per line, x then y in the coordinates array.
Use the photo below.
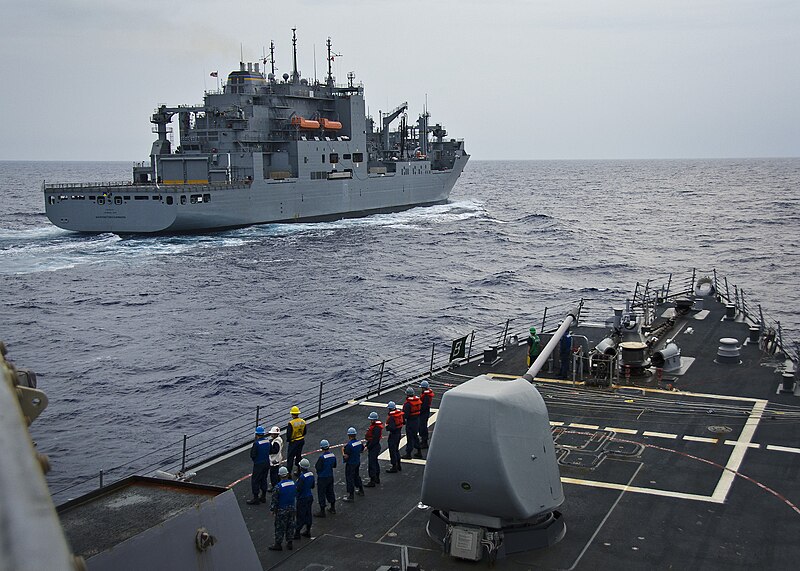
{"type": "Point", "coordinates": [390, 373]}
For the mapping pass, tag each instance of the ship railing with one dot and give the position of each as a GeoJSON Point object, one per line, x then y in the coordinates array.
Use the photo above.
{"type": "Point", "coordinates": [740, 305]}
{"type": "Point", "coordinates": [130, 186]}
{"type": "Point", "coordinates": [192, 450]}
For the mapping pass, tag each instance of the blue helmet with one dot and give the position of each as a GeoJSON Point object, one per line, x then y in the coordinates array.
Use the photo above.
{"type": "Point", "coordinates": [391, 405]}
{"type": "Point", "coordinates": [425, 384]}
{"type": "Point", "coordinates": [410, 391]}
{"type": "Point", "coordinates": [304, 463]}
{"type": "Point", "coordinates": [324, 444]}
{"type": "Point", "coordinates": [260, 430]}
{"type": "Point", "coordinates": [373, 415]}
{"type": "Point", "coordinates": [351, 431]}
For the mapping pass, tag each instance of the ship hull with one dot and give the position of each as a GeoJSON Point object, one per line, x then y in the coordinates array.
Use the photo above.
{"type": "Point", "coordinates": [147, 209]}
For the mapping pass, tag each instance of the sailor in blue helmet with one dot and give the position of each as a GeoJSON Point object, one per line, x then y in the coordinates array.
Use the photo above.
{"type": "Point", "coordinates": [394, 425]}
{"type": "Point", "coordinates": [425, 412]}
{"type": "Point", "coordinates": [324, 467]}
{"type": "Point", "coordinates": [260, 455]}
{"type": "Point", "coordinates": [373, 439]}
{"type": "Point", "coordinates": [352, 462]}
{"type": "Point", "coordinates": [411, 409]}
{"type": "Point", "coordinates": [565, 354]}
{"type": "Point", "coordinates": [284, 497]}
{"type": "Point", "coordinates": [534, 346]}
{"type": "Point", "coordinates": [305, 497]}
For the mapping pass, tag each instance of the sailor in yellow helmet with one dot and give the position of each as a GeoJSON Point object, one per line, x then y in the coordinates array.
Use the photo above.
{"type": "Point", "coordinates": [295, 436]}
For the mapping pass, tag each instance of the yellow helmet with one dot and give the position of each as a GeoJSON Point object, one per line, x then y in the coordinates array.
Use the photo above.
{"type": "Point", "coordinates": [294, 410]}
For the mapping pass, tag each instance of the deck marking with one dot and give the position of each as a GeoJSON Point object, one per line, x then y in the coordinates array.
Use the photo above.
{"type": "Point", "coordinates": [783, 448]}
{"type": "Point", "coordinates": [736, 442]}
{"type": "Point", "coordinates": [556, 423]}
{"type": "Point", "coordinates": [660, 435]}
{"type": "Point", "coordinates": [586, 426]}
{"type": "Point", "coordinates": [621, 430]}
{"type": "Point", "coordinates": [638, 490]}
{"type": "Point", "coordinates": [602, 523]}
{"type": "Point", "coordinates": [737, 456]}
{"type": "Point", "coordinates": [700, 439]}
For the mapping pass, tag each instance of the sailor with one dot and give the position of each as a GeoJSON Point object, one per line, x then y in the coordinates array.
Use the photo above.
{"type": "Point", "coordinates": [295, 436]}
{"type": "Point", "coordinates": [411, 410]}
{"type": "Point", "coordinates": [565, 354]}
{"type": "Point", "coordinates": [324, 467]}
{"type": "Point", "coordinates": [534, 346]}
{"type": "Point", "coordinates": [394, 424]}
{"type": "Point", "coordinates": [352, 462]}
{"type": "Point", "coordinates": [425, 412]}
{"type": "Point", "coordinates": [373, 439]}
{"type": "Point", "coordinates": [260, 455]}
{"type": "Point", "coordinates": [283, 506]}
{"type": "Point", "coordinates": [275, 455]}
{"type": "Point", "coordinates": [305, 497]}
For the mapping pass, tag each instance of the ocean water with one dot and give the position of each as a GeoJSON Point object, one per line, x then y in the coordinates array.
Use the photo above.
{"type": "Point", "coordinates": [140, 340]}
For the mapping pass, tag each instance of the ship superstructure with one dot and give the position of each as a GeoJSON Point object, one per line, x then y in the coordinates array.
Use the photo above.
{"type": "Point", "coordinates": [268, 149]}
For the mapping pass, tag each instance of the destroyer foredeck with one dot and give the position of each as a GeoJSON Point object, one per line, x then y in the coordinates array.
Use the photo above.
{"type": "Point", "coordinates": [691, 470]}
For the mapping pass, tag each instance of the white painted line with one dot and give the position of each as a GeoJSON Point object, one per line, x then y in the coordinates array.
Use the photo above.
{"type": "Point", "coordinates": [637, 490]}
{"type": "Point", "coordinates": [621, 430]}
{"type": "Point", "coordinates": [587, 426]}
{"type": "Point", "coordinates": [783, 449]}
{"type": "Point", "coordinates": [700, 439]}
{"type": "Point", "coordinates": [749, 444]}
{"type": "Point", "coordinates": [739, 449]}
{"type": "Point", "coordinates": [660, 435]}
{"type": "Point", "coordinates": [556, 423]}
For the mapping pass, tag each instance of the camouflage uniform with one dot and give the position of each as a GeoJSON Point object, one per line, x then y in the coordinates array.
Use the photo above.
{"type": "Point", "coordinates": [283, 506]}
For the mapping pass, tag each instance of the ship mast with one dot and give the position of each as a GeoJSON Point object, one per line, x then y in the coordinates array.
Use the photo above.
{"type": "Point", "coordinates": [295, 74]}
{"type": "Point", "coordinates": [331, 55]}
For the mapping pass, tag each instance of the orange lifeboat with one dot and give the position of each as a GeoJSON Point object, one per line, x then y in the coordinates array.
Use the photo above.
{"type": "Point", "coordinates": [330, 125]}
{"type": "Point", "coordinates": [298, 121]}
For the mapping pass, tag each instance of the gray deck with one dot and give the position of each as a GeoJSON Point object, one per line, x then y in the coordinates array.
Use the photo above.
{"type": "Point", "coordinates": [692, 499]}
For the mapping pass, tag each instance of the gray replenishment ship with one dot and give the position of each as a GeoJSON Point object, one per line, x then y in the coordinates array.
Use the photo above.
{"type": "Point", "coordinates": [266, 150]}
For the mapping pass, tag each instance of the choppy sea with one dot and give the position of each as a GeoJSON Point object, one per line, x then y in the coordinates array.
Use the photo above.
{"type": "Point", "coordinates": [137, 341]}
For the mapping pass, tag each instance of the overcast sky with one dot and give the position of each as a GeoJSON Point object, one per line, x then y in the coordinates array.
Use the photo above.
{"type": "Point", "coordinates": [535, 79]}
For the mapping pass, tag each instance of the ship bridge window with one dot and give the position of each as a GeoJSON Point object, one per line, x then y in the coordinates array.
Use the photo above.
{"type": "Point", "coordinates": [323, 158]}
{"type": "Point", "coordinates": [117, 200]}
{"type": "Point", "coordinates": [101, 200]}
{"type": "Point", "coordinates": [334, 158]}
{"type": "Point", "coordinates": [169, 200]}
{"type": "Point", "coordinates": [358, 157]}
{"type": "Point", "coordinates": [145, 197]}
{"type": "Point", "coordinates": [92, 198]}
{"type": "Point", "coordinates": [347, 156]}
{"type": "Point", "coordinates": [195, 198]}
{"type": "Point", "coordinates": [183, 199]}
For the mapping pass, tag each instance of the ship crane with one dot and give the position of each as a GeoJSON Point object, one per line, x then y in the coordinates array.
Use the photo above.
{"type": "Point", "coordinates": [387, 121]}
{"type": "Point", "coordinates": [160, 119]}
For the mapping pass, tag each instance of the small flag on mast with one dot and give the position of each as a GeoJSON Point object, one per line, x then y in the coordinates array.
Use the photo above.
{"type": "Point", "coordinates": [214, 74]}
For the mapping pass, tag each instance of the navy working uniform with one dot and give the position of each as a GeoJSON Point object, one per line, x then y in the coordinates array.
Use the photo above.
{"type": "Point", "coordinates": [295, 436]}
{"type": "Point", "coordinates": [411, 410]}
{"type": "Point", "coordinates": [305, 497]}
{"type": "Point", "coordinates": [394, 424]}
{"type": "Point", "coordinates": [373, 438]}
{"type": "Point", "coordinates": [324, 467]}
{"type": "Point", "coordinates": [283, 506]}
{"type": "Point", "coordinates": [565, 352]}
{"type": "Point", "coordinates": [260, 455]}
{"type": "Point", "coordinates": [352, 462]}
{"type": "Point", "coordinates": [424, 414]}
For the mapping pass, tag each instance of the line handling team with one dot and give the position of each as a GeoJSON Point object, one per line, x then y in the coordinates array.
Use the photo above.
{"type": "Point", "coordinates": [292, 499]}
